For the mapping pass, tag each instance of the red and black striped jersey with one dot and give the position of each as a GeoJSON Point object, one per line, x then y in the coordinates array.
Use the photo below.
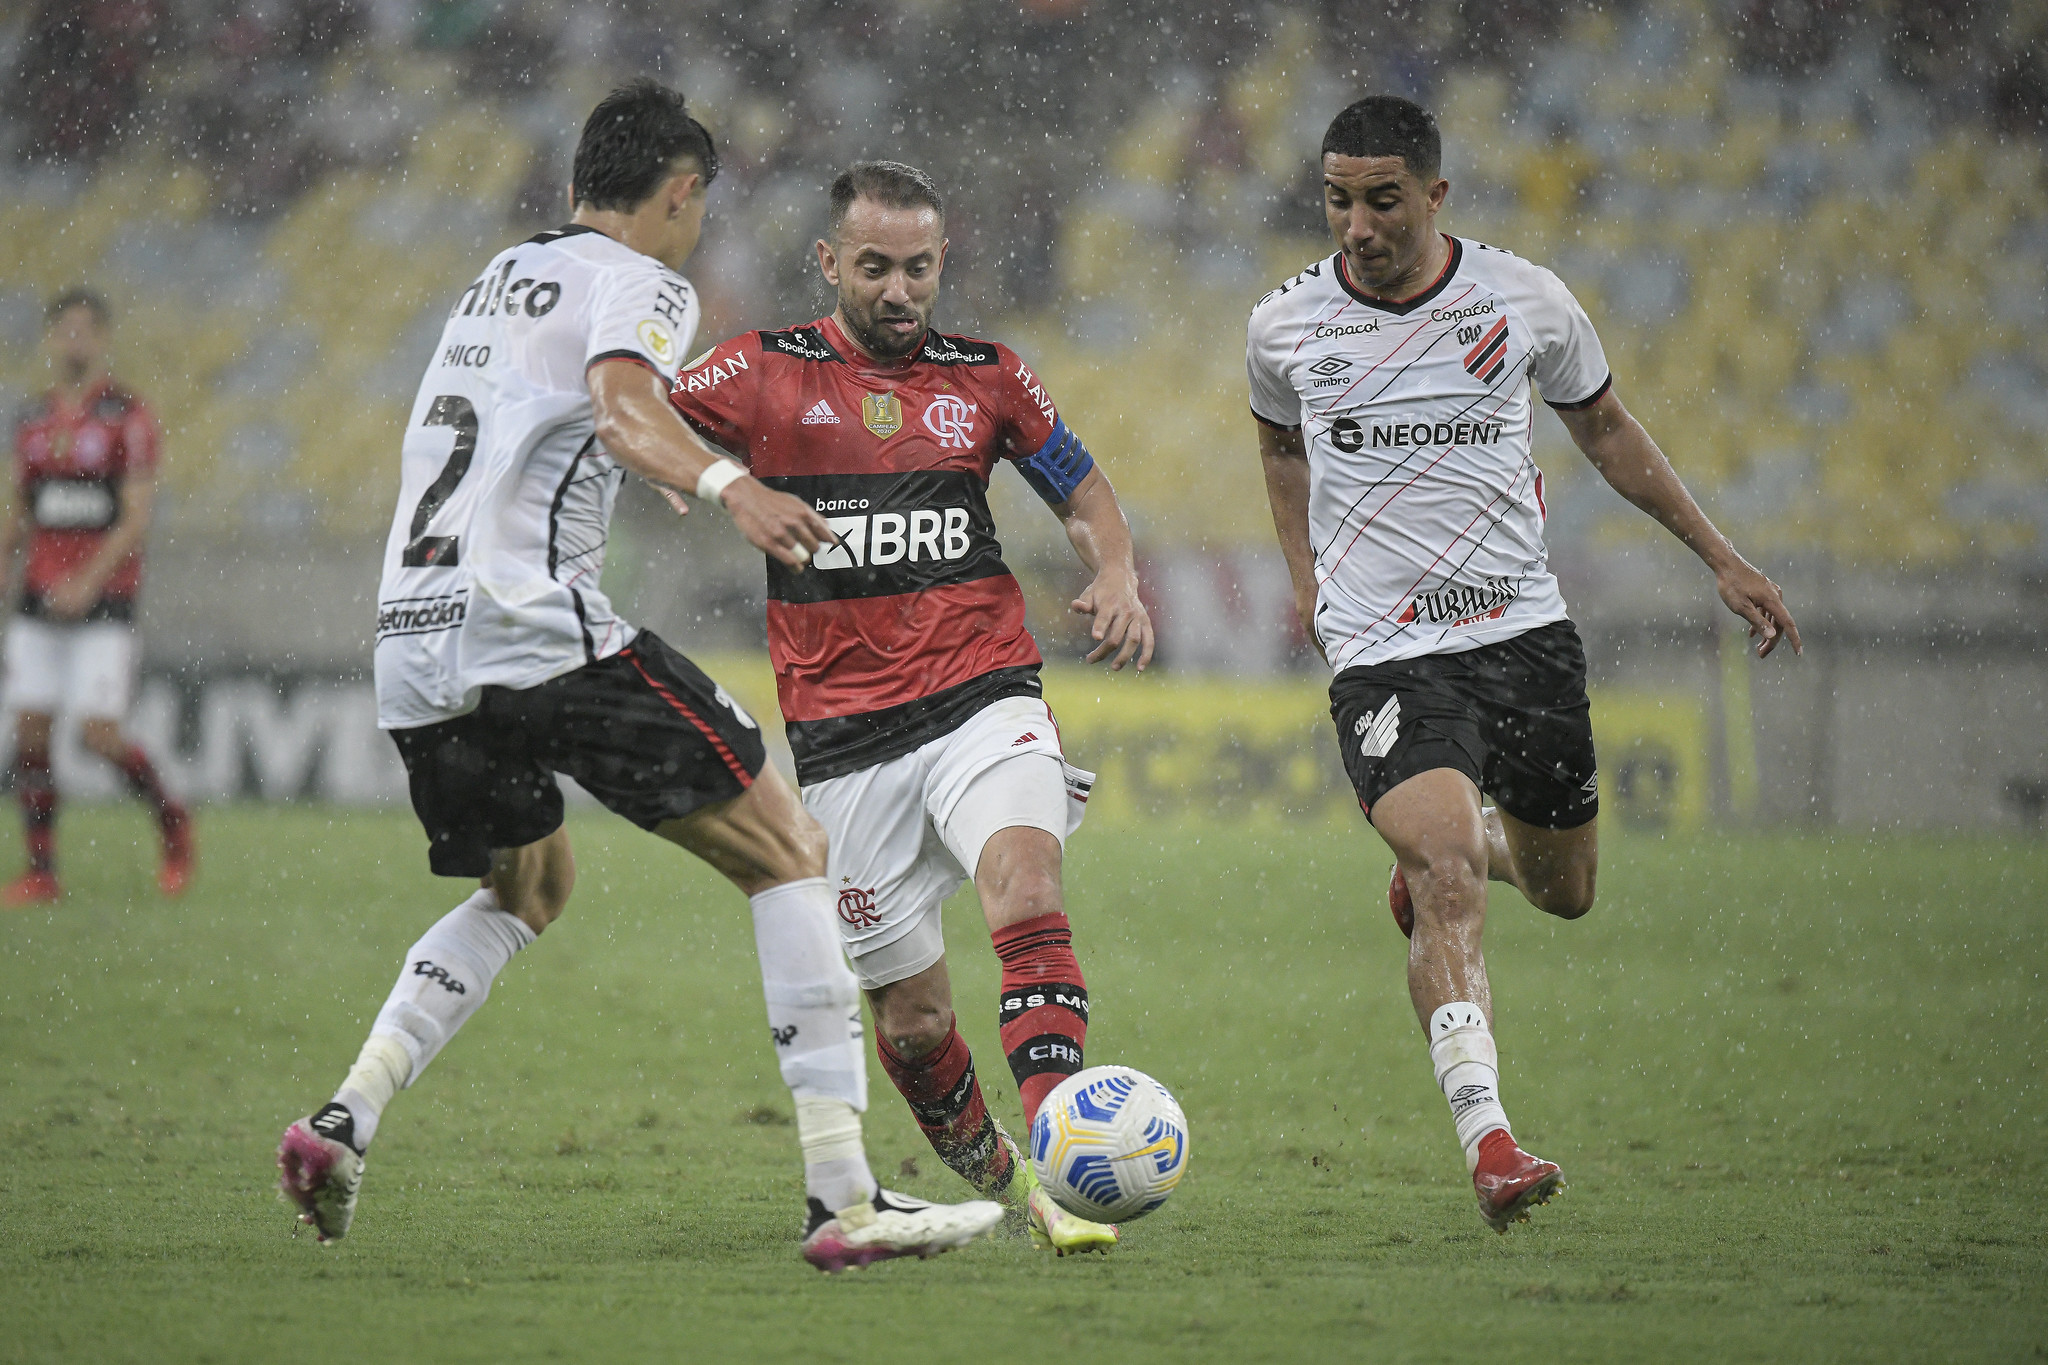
{"type": "Point", "coordinates": [70, 461]}
{"type": "Point", "coordinates": [912, 623]}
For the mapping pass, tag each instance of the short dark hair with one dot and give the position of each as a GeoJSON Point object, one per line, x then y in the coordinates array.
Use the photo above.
{"type": "Point", "coordinates": [891, 184]}
{"type": "Point", "coordinates": [1387, 125]}
{"type": "Point", "coordinates": [78, 296]}
{"type": "Point", "coordinates": [631, 142]}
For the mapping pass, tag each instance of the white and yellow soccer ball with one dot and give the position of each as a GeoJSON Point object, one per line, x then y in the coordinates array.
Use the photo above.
{"type": "Point", "coordinates": [1109, 1144]}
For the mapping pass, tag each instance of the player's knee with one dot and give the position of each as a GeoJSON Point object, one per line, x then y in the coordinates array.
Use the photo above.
{"type": "Point", "coordinates": [913, 1031]}
{"type": "Point", "coordinates": [103, 737]}
{"type": "Point", "coordinates": [1450, 885]}
{"type": "Point", "coordinates": [1027, 892]}
{"type": "Point", "coordinates": [1568, 896]}
{"type": "Point", "coordinates": [807, 846]}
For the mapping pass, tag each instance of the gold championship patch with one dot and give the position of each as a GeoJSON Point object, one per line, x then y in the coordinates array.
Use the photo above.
{"type": "Point", "coordinates": [881, 414]}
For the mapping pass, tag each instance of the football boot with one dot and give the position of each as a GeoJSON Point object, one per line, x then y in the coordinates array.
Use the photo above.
{"type": "Point", "coordinates": [30, 888]}
{"type": "Point", "coordinates": [892, 1225]}
{"type": "Point", "coordinates": [320, 1172]}
{"type": "Point", "coordinates": [174, 873]}
{"type": "Point", "coordinates": [1509, 1181]}
{"type": "Point", "coordinates": [1064, 1234]}
{"type": "Point", "coordinates": [1401, 903]}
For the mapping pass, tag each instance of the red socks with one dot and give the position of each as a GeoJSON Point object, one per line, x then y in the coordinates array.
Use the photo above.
{"type": "Point", "coordinates": [1044, 1009]}
{"type": "Point", "coordinates": [946, 1100]}
{"type": "Point", "coordinates": [38, 795]}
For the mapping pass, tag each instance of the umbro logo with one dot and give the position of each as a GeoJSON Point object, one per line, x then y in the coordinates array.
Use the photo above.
{"type": "Point", "coordinates": [1023, 739]}
{"type": "Point", "coordinates": [820, 414]}
{"type": "Point", "coordinates": [1330, 365]}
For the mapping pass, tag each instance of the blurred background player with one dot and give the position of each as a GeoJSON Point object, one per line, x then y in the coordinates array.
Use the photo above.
{"type": "Point", "coordinates": [85, 456]}
{"type": "Point", "coordinates": [1391, 386]}
{"type": "Point", "coordinates": [500, 662]}
{"type": "Point", "coordinates": [906, 675]}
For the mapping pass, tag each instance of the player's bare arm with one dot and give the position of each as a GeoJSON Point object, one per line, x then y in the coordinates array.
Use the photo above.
{"type": "Point", "coordinates": [644, 433]}
{"type": "Point", "coordinates": [1285, 458]}
{"type": "Point", "coordinates": [74, 597]}
{"type": "Point", "coordinates": [1618, 446]}
{"type": "Point", "coordinates": [1102, 538]}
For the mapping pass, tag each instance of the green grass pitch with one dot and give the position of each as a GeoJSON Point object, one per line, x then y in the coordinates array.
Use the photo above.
{"type": "Point", "coordinates": [1796, 1085]}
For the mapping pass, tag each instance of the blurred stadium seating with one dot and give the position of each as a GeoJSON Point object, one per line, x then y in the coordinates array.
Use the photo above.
{"type": "Point", "coordinates": [1814, 235]}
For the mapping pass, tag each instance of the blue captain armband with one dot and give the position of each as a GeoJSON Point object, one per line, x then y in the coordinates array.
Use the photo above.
{"type": "Point", "coordinates": [1059, 466]}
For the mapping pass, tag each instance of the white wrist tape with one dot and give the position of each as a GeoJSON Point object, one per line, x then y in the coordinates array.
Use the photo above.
{"type": "Point", "coordinates": [716, 476]}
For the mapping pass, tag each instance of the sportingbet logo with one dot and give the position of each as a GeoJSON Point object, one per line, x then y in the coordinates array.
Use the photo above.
{"type": "Point", "coordinates": [440, 974]}
{"type": "Point", "coordinates": [1462, 606]}
{"type": "Point", "coordinates": [892, 537]}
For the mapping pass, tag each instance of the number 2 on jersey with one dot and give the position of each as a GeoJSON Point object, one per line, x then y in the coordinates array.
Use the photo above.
{"type": "Point", "coordinates": [423, 551]}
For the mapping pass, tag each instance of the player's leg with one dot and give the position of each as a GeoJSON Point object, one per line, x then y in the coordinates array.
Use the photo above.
{"type": "Point", "coordinates": [1004, 801]}
{"type": "Point", "coordinates": [655, 739]}
{"type": "Point", "coordinates": [1432, 821]}
{"type": "Point", "coordinates": [1412, 746]}
{"type": "Point", "coordinates": [1554, 869]}
{"type": "Point", "coordinates": [492, 814]}
{"type": "Point", "coordinates": [103, 665]}
{"type": "Point", "coordinates": [771, 848]}
{"type": "Point", "coordinates": [38, 667]}
{"type": "Point", "coordinates": [36, 789]}
{"type": "Point", "coordinates": [1536, 722]}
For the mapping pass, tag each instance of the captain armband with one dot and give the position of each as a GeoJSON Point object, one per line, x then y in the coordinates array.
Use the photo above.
{"type": "Point", "coordinates": [1059, 466]}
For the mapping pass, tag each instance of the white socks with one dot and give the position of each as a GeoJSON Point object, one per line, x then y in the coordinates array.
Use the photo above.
{"type": "Point", "coordinates": [814, 1021]}
{"type": "Point", "coordinates": [446, 976]}
{"type": "Point", "coordinates": [1468, 1072]}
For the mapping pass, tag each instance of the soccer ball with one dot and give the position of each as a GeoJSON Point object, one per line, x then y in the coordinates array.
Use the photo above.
{"type": "Point", "coordinates": [1109, 1144]}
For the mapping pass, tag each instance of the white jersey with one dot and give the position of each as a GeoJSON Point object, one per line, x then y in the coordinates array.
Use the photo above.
{"type": "Point", "coordinates": [505, 496]}
{"type": "Point", "coordinates": [1425, 506]}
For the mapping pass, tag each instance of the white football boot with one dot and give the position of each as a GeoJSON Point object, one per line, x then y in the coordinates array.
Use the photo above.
{"type": "Point", "coordinates": [320, 1172]}
{"type": "Point", "coordinates": [892, 1225]}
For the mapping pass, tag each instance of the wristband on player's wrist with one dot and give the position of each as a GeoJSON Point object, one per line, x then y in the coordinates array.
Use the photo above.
{"type": "Point", "coordinates": [716, 477]}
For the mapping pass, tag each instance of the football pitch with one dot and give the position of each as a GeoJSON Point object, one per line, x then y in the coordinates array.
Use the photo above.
{"type": "Point", "coordinates": [1796, 1085]}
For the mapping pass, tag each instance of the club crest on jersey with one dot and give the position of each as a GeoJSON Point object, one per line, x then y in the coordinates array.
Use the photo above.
{"type": "Point", "coordinates": [881, 414]}
{"type": "Point", "coordinates": [1376, 732]}
{"type": "Point", "coordinates": [951, 419]}
{"type": "Point", "coordinates": [857, 907]}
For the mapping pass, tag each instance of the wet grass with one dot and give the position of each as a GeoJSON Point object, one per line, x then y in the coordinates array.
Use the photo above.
{"type": "Point", "coordinates": [1796, 1085]}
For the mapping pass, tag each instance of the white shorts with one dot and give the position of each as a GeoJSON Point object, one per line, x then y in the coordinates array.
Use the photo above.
{"type": "Point", "coordinates": [85, 669]}
{"type": "Point", "coordinates": [907, 833]}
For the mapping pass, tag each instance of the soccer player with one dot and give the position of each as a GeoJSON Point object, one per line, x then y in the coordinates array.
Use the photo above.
{"type": "Point", "coordinates": [908, 681]}
{"type": "Point", "coordinates": [499, 663]}
{"type": "Point", "coordinates": [1391, 386]}
{"type": "Point", "coordinates": [85, 458]}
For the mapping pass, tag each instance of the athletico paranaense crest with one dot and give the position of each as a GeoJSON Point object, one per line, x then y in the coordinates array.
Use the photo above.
{"type": "Point", "coordinates": [881, 414]}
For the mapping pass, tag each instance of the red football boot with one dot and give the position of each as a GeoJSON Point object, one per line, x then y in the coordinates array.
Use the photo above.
{"type": "Point", "coordinates": [1399, 901]}
{"type": "Point", "coordinates": [1509, 1182]}
{"type": "Point", "coordinates": [175, 873]}
{"type": "Point", "coordinates": [30, 888]}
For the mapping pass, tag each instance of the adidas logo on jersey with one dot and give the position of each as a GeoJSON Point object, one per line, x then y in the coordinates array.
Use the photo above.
{"type": "Point", "coordinates": [1024, 738]}
{"type": "Point", "coordinates": [820, 414]}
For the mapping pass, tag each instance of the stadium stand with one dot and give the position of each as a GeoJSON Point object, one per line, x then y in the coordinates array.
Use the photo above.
{"type": "Point", "coordinates": [1812, 234]}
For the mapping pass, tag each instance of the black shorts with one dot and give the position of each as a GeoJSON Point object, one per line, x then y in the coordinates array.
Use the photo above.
{"type": "Point", "coordinates": [644, 731]}
{"type": "Point", "coordinates": [1511, 716]}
